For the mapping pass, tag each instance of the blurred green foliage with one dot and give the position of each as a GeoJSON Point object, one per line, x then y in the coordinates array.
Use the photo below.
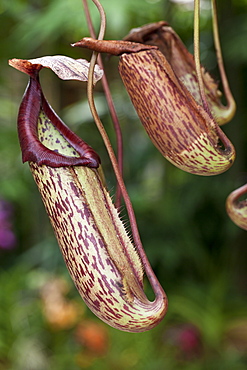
{"type": "Point", "coordinates": [197, 253]}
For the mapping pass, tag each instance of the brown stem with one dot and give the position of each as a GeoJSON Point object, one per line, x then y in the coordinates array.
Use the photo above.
{"type": "Point", "coordinates": [111, 107]}
{"type": "Point", "coordinates": [159, 293]}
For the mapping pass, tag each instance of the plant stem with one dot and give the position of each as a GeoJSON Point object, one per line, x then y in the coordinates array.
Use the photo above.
{"type": "Point", "coordinates": [112, 110]}
{"type": "Point", "coordinates": [230, 100]}
{"type": "Point", "coordinates": [197, 56]}
{"type": "Point", "coordinates": [159, 293]}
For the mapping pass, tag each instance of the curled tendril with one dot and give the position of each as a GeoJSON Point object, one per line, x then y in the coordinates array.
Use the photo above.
{"type": "Point", "coordinates": [134, 228]}
{"type": "Point", "coordinates": [112, 110]}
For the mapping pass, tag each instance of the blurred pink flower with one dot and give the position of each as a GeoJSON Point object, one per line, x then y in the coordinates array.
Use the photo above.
{"type": "Point", "coordinates": [185, 338]}
{"type": "Point", "coordinates": [188, 339]}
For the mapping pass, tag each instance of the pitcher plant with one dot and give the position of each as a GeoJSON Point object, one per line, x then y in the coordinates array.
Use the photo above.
{"type": "Point", "coordinates": [180, 107]}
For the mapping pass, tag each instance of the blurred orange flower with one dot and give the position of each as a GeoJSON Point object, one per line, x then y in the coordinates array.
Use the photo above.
{"type": "Point", "coordinates": [93, 336]}
{"type": "Point", "coordinates": [59, 312]}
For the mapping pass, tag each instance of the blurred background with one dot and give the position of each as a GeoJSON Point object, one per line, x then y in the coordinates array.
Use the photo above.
{"type": "Point", "coordinates": [198, 254]}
